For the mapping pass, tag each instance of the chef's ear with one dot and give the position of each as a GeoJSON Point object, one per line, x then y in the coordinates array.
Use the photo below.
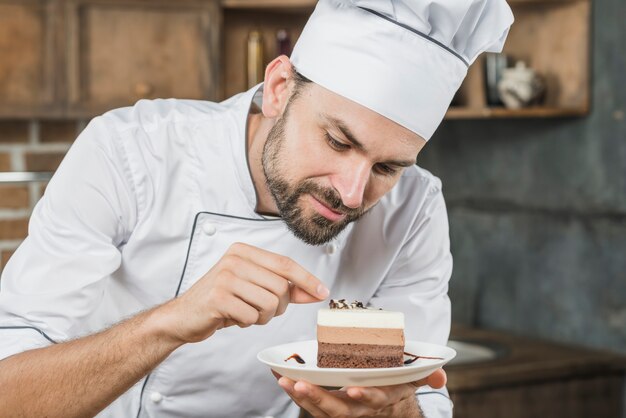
{"type": "Point", "coordinates": [277, 86]}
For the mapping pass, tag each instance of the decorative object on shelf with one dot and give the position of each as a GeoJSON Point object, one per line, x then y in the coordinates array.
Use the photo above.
{"type": "Point", "coordinates": [520, 86]}
{"type": "Point", "coordinates": [494, 66]}
{"type": "Point", "coordinates": [283, 43]}
{"type": "Point", "coordinates": [255, 58]}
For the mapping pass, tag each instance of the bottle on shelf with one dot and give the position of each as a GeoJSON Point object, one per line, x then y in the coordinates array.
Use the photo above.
{"type": "Point", "coordinates": [255, 65]}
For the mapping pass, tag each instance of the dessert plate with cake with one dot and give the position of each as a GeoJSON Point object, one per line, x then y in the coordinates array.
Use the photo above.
{"type": "Point", "coordinates": [357, 346]}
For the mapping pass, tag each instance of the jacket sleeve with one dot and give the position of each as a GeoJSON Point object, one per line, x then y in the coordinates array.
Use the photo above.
{"type": "Point", "coordinates": [417, 284]}
{"type": "Point", "coordinates": [55, 279]}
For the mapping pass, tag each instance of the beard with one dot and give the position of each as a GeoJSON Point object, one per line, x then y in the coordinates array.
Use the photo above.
{"type": "Point", "coordinates": [313, 229]}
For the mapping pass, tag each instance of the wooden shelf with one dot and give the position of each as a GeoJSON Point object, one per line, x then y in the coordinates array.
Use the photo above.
{"type": "Point", "coordinates": [291, 4]}
{"type": "Point", "coordinates": [269, 4]}
{"type": "Point", "coordinates": [502, 112]}
{"type": "Point", "coordinates": [563, 62]}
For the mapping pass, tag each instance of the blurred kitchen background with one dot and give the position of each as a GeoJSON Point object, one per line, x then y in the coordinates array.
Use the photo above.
{"type": "Point", "coordinates": [532, 156]}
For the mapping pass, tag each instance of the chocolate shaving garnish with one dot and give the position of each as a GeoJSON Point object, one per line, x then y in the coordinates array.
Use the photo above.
{"type": "Point", "coordinates": [341, 304]}
{"type": "Point", "coordinates": [411, 360]}
{"type": "Point", "coordinates": [296, 357]}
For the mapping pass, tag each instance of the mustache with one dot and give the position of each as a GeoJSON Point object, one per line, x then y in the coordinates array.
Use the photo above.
{"type": "Point", "coordinates": [330, 198]}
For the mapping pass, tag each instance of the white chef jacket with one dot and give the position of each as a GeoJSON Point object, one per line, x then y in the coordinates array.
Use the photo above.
{"type": "Point", "coordinates": [150, 197]}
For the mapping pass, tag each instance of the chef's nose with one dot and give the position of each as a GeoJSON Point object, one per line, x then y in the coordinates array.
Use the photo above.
{"type": "Point", "coordinates": [351, 181]}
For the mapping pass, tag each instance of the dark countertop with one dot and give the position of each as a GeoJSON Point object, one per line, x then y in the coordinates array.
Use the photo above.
{"type": "Point", "coordinates": [525, 360]}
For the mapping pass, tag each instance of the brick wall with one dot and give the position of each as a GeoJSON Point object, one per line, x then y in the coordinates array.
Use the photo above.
{"type": "Point", "coordinates": [27, 146]}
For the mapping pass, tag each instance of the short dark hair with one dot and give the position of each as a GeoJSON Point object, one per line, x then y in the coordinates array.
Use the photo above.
{"type": "Point", "coordinates": [299, 81]}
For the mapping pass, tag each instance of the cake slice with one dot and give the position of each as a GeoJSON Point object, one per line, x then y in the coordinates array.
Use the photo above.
{"type": "Point", "coordinates": [352, 336]}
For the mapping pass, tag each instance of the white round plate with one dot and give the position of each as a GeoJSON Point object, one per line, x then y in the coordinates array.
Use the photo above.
{"type": "Point", "coordinates": [275, 357]}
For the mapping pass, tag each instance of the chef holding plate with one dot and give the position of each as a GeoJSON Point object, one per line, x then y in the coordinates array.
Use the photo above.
{"type": "Point", "coordinates": [180, 238]}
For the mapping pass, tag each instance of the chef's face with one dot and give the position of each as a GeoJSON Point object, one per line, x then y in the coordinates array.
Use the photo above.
{"type": "Point", "coordinates": [328, 160]}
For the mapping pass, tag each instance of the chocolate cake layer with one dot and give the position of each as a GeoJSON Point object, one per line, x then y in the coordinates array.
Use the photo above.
{"type": "Point", "coordinates": [359, 356]}
{"type": "Point", "coordinates": [346, 335]}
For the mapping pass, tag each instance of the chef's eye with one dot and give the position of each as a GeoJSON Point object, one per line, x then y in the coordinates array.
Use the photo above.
{"type": "Point", "coordinates": [386, 169]}
{"type": "Point", "coordinates": [336, 145]}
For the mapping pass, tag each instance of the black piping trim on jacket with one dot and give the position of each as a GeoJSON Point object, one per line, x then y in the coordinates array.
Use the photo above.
{"type": "Point", "coordinates": [434, 392]}
{"type": "Point", "coordinates": [193, 230]}
{"type": "Point", "coordinates": [143, 387]}
{"type": "Point", "coordinates": [415, 31]}
{"type": "Point", "coordinates": [33, 328]}
{"type": "Point", "coordinates": [180, 282]}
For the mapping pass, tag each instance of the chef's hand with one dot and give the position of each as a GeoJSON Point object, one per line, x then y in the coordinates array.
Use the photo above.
{"type": "Point", "coordinates": [246, 286]}
{"type": "Point", "coordinates": [396, 401]}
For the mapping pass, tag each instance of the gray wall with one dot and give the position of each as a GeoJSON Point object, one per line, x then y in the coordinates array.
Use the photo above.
{"type": "Point", "coordinates": [538, 210]}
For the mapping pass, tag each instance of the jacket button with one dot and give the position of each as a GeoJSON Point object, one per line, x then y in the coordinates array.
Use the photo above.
{"type": "Point", "coordinates": [209, 228]}
{"type": "Point", "coordinates": [331, 248]}
{"type": "Point", "coordinates": [156, 397]}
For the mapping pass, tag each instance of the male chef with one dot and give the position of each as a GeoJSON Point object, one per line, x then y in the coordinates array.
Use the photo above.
{"type": "Point", "coordinates": [179, 238]}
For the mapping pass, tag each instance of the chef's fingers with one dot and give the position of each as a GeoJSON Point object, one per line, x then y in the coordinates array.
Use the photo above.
{"type": "Point", "coordinates": [264, 301]}
{"type": "Point", "coordinates": [298, 295]}
{"type": "Point", "coordinates": [334, 403]}
{"type": "Point", "coordinates": [308, 288]}
{"type": "Point", "coordinates": [375, 399]}
{"type": "Point", "coordinates": [379, 397]}
{"type": "Point", "coordinates": [436, 380]}
{"type": "Point", "coordinates": [260, 276]}
{"type": "Point", "coordinates": [284, 300]}
{"type": "Point", "coordinates": [236, 311]}
{"type": "Point", "coordinates": [382, 397]}
{"type": "Point", "coordinates": [288, 386]}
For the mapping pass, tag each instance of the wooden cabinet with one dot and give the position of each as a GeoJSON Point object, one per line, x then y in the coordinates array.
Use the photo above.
{"type": "Point", "coordinates": [28, 57]}
{"type": "Point", "coordinates": [122, 51]}
{"type": "Point", "coordinates": [79, 58]}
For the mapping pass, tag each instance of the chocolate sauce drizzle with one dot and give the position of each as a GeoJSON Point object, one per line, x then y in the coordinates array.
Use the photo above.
{"type": "Point", "coordinates": [411, 360]}
{"type": "Point", "coordinates": [296, 357]}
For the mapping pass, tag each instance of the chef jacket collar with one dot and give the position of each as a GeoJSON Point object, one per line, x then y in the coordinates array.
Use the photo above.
{"type": "Point", "coordinates": [240, 147]}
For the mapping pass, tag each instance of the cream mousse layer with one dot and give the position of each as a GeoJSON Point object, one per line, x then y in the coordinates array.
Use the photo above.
{"type": "Point", "coordinates": [350, 335]}
{"type": "Point", "coordinates": [360, 318]}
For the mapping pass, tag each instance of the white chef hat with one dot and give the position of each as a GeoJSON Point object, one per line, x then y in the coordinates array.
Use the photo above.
{"type": "Point", "coordinates": [404, 59]}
